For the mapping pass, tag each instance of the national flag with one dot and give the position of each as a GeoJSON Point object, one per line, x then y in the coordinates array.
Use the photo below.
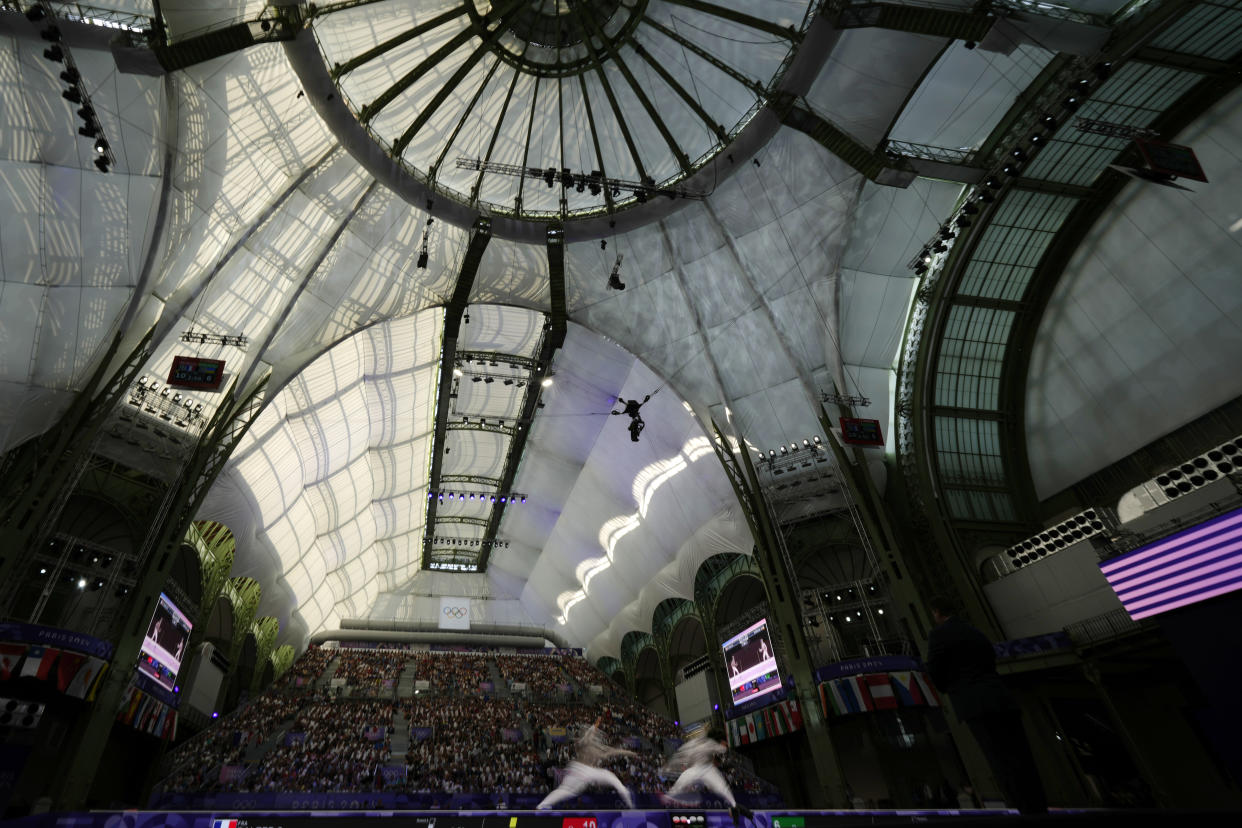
{"type": "Point", "coordinates": [750, 729]}
{"type": "Point", "coordinates": [833, 699]}
{"type": "Point", "coordinates": [881, 691]}
{"type": "Point", "coordinates": [130, 706]}
{"type": "Point", "coordinates": [39, 661]}
{"type": "Point", "coordinates": [84, 681]}
{"type": "Point", "coordinates": [66, 668]}
{"type": "Point", "coordinates": [10, 655]}
{"type": "Point", "coordinates": [794, 713]}
{"type": "Point", "coordinates": [760, 728]}
{"type": "Point", "coordinates": [735, 737]}
{"type": "Point", "coordinates": [224, 823]}
{"type": "Point", "coordinates": [860, 687]}
{"type": "Point", "coordinates": [856, 700]}
{"type": "Point", "coordinates": [907, 690]}
{"type": "Point", "coordinates": [171, 733]}
{"type": "Point", "coordinates": [929, 689]}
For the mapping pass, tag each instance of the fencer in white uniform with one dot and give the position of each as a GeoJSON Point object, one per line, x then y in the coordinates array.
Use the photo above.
{"type": "Point", "coordinates": [583, 770]}
{"type": "Point", "coordinates": [695, 764]}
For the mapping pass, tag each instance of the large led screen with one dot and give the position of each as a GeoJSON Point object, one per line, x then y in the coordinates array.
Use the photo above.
{"type": "Point", "coordinates": [1191, 566]}
{"type": "Point", "coordinates": [750, 663]}
{"type": "Point", "coordinates": [165, 643]}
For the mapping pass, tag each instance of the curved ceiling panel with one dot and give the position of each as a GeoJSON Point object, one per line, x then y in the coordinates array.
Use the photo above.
{"type": "Point", "coordinates": [1142, 333]}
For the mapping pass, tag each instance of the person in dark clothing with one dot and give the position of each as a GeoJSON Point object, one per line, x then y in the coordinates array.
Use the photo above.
{"type": "Point", "coordinates": [631, 408]}
{"type": "Point", "coordinates": [962, 663]}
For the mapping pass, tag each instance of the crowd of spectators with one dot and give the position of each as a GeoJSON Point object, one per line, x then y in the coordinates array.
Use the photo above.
{"type": "Point", "coordinates": [196, 763]}
{"type": "Point", "coordinates": [455, 672]}
{"type": "Point", "coordinates": [370, 670]}
{"type": "Point", "coordinates": [469, 749]}
{"type": "Point", "coordinates": [462, 740]}
{"type": "Point", "coordinates": [541, 674]}
{"type": "Point", "coordinates": [332, 746]}
{"type": "Point", "coordinates": [309, 667]}
{"type": "Point", "coordinates": [584, 673]}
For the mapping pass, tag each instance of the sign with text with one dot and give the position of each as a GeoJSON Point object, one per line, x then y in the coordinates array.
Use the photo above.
{"type": "Point", "coordinates": [454, 613]}
{"type": "Point", "coordinates": [861, 432]}
{"type": "Point", "coordinates": [1171, 159]}
{"type": "Point", "coordinates": [196, 372]}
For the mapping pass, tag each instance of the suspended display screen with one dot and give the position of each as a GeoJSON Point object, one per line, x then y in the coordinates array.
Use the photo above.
{"type": "Point", "coordinates": [1190, 566]}
{"type": "Point", "coordinates": [750, 663]}
{"type": "Point", "coordinates": [165, 643]}
{"type": "Point", "coordinates": [195, 372]}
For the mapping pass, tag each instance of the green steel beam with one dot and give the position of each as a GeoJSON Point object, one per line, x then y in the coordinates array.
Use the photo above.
{"type": "Point", "coordinates": [789, 33]}
{"type": "Point", "coordinates": [461, 122]}
{"type": "Point", "coordinates": [500, 120]}
{"type": "Point", "coordinates": [275, 24]}
{"type": "Point", "coordinates": [446, 89]}
{"type": "Point", "coordinates": [479, 238]}
{"type": "Point", "coordinates": [452, 45]}
{"type": "Point", "coordinates": [393, 42]}
{"type": "Point", "coordinates": [966, 24]}
{"type": "Point", "coordinates": [683, 160]}
{"type": "Point", "coordinates": [553, 338]}
{"type": "Point", "coordinates": [598, 65]}
{"type": "Point", "coordinates": [170, 522]}
{"type": "Point", "coordinates": [714, 127]}
{"type": "Point", "coordinates": [873, 164]}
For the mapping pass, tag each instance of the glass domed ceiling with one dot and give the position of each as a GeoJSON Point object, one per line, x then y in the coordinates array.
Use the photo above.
{"type": "Point", "coordinates": [581, 94]}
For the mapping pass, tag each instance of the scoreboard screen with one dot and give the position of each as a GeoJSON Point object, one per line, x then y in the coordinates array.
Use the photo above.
{"type": "Point", "coordinates": [860, 432]}
{"type": "Point", "coordinates": [196, 372]}
{"type": "Point", "coordinates": [1171, 159]}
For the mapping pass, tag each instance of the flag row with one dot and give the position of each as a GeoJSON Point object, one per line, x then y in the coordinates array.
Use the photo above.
{"type": "Point", "coordinates": [877, 691]}
{"type": "Point", "coordinates": [144, 712]}
{"type": "Point", "coordinates": [75, 674]}
{"type": "Point", "coordinates": [774, 720]}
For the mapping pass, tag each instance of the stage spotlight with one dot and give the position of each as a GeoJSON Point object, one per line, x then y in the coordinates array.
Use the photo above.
{"type": "Point", "coordinates": [101, 164]}
{"type": "Point", "coordinates": [51, 34]}
{"type": "Point", "coordinates": [35, 13]}
{"type": "Point", "coordinates": [73, 95]}
{"type": "Point", "coordinates": [90, 130]}
{"type": "Point", "coordinates": [547, 382]}
{"type": "Point", "coordinates": [1103, 70]}
{"type": "Point", "coordinates": [1071, 103]}
{"type": "Point", "coordinates": [962, 221]}
{"type": "Point", "coordinates": [969, 208]}
{"type": "Point", "coordinates": [1017, 153]}
{"type": "Point", "coordinates": [549, 176]}
{"type": "Point", "coordinates": [1049, 121]}
{"type": "Point", "coordinates": [70, 75]}
{"type": "Point", "coordinates": [101, 146]}
{"type": "Point", "coordinates": [992, 183]}
{"type": "Point", "coordinates": [1011, 169]}
{"type": "Point", "coordinates": [54, 53]}
{"type": "Point", "coordinates": [986, 197]}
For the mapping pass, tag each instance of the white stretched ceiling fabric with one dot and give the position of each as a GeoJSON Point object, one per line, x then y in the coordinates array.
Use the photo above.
{"type": "Point", "coordinates": [186, 18]}
{"type": "Point", "coordinates": [754, 264]}
{"type": "Point", "coordinates": [326, 470]}
{"type": "Point", "coordinates": [73, 238]}
{"type": "Point", "coordinates": [1143, 331]}
{"type": "Point", "coordinates": [629, 508]}
{"type": "Point", "coordinates": [868, 78]}
{"type": "Point", "coordinates": [965, 94]}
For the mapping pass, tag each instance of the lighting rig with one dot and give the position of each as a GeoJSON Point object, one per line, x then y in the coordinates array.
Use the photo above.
{"type": "Point", "coordinates": [193, 337]}
{"type": "Point", "coordinates": [451, 542]}
{"type": "Point", "coordinates": [984, 194]}
{"type": "Point", "coordinates": [844, 400]}
{"type": "Point", "coordinates": [166, 403]}
{"type": "Point", "coordinates": [58, 52]}
{"type": "Point", "coordinates": [424, 249]}
{"type": "Point", "coordinates": [594, 181]}
{"type": "Point", "coordinates": [482, 497]}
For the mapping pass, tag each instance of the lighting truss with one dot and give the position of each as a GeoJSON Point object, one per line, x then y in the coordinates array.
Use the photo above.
{"type": "Point", "coordinates": [595, 181]}
{"type": "Point", "coordinates": [1113, 130]}
{"type": "Point", "coordinates": [844, 399]}
{"type": "Point", "coordinates": [478, 497]}
{"type": "Point", "coordinates": [192, 336]}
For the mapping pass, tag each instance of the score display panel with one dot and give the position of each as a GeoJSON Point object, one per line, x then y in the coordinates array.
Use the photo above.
{"type": "Point", "coordinates": [750, 663]}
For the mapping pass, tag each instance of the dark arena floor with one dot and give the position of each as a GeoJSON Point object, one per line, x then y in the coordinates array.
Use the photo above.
{"type": "Point", "coordinates": [616, 819]}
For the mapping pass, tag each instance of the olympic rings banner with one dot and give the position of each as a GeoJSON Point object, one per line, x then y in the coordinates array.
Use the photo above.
{"type": "Point", "coordinates": [454, 613]}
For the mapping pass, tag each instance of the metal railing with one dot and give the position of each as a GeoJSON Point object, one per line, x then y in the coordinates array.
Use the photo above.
{"type": "Point", "coordinates": [1107, 627]}
{"type": "Point", "coordinates": [945, 155]}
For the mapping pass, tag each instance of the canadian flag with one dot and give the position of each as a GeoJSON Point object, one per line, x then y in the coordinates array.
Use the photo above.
{"type": "Point", "coordinates": [881, 691]}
